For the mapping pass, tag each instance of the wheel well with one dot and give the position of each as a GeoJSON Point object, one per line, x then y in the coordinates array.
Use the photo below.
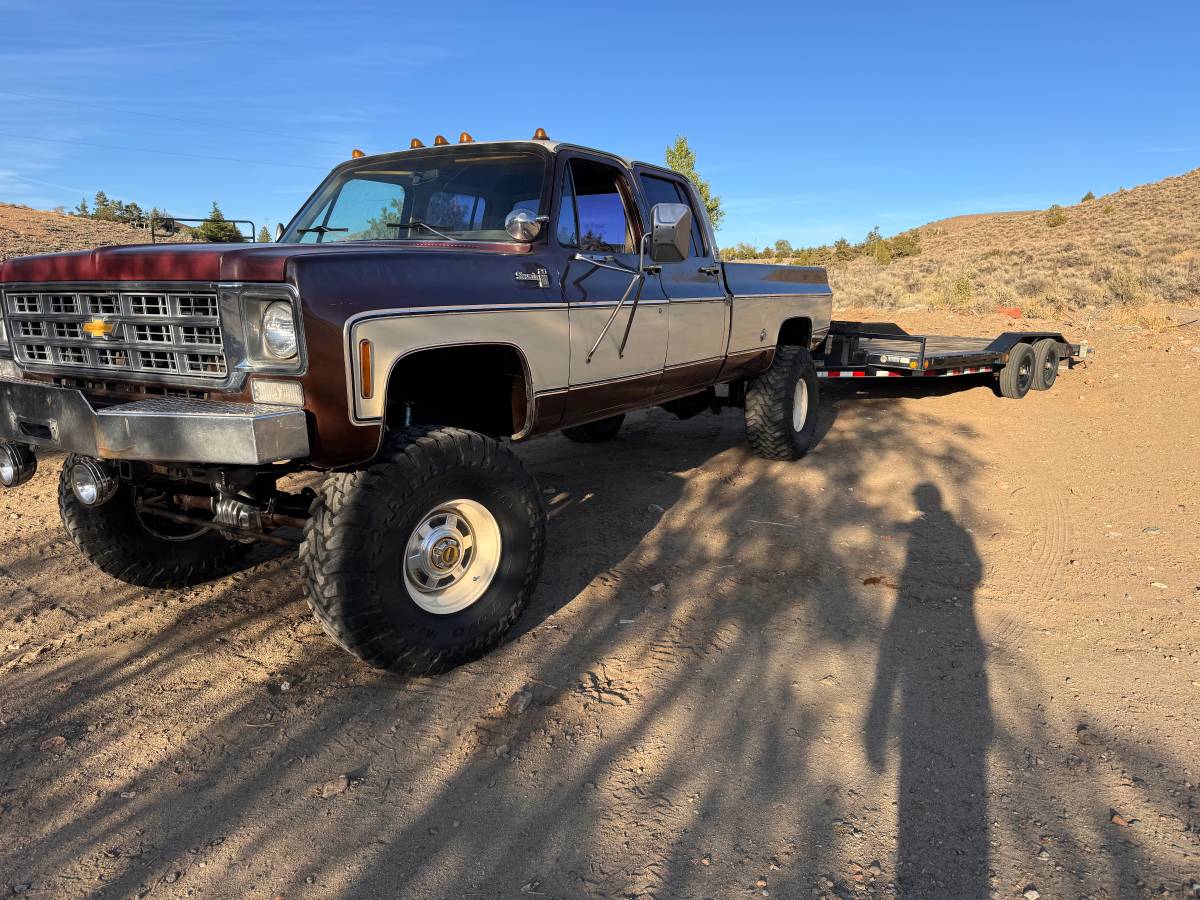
{"type": "Point", "coordinates": [481, 387]}
{"type": "Point", "coordinates": [795, 333]}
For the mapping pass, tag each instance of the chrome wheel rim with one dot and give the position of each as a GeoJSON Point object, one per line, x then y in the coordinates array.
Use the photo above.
{"type": "Point", "coordinates": [452, 556]}
{"type": "Point", "coordinates": [799, 405]}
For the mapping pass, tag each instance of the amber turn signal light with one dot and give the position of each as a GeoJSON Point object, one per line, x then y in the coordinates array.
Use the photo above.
{"type": "Point", "coordinates": [356, 154]}
{"type": "Point", "coordinates": [440, 141]}
{"type": "Point", "coordinates": [366, 369]}
{"type": "Point", "coordinates": [415, 144]}
{"type": "Point", "coordinates": [540, 135]}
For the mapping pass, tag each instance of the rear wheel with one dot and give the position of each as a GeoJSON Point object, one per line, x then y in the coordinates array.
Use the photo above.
{"type": "Point", "coordinates": [781, 406]}
{"type": "Point", "coordinates": [1047, 353]}
{"type": "Point", "coordinates": [595, 432]}
{"type": "Point", "coordinates": [1016, 378]}
{"type": "Point", "coordinates": [425, 558]}
{"type": "Point", "coordinates": [140, 548]}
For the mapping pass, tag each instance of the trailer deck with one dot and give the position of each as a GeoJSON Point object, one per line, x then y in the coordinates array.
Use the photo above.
{"type": "Point", "coordinates": [885, 350]}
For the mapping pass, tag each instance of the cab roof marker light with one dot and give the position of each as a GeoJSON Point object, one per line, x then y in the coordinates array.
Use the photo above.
{"type": "Point", "coordinates": [465, 138]}
{"type": "Point", "coordinates": [540, 135]}
{"type": "Point", "coordinates": [415, 144]}
{"type": "Point", "coordinates": [440, 141]}
{"type": "Point", "coordinates": [356, 154]}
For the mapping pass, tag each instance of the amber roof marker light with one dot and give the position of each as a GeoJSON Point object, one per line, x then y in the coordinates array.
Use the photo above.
{"type": "Point", "coordinates": [356, 154]}
{"type": "Point", "coordinates": [415, 144]}
{"type": "Point", "coordinates": [540, 135]}
{"type": "Point", "coordinates": [465, 138]}
{"type": "Point", "coordinates": [440, 141]}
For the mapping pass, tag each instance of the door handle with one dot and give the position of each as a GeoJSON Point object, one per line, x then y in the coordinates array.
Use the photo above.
{"type": "Point", "coordinates": [714, 271]}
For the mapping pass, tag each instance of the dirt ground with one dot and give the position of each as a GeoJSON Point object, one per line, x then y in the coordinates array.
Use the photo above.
{"type": "Point", "coordinates": [954, 652]}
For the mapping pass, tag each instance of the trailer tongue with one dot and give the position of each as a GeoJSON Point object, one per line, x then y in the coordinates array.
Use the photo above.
{"type": "Point", "coordinates": [1023, 360]}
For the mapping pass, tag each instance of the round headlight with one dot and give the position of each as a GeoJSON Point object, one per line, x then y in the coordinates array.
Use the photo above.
{"type": "Point", "coordinates": [279, 330]}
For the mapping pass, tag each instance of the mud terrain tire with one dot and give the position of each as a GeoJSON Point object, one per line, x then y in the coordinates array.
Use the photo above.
{"type": "Point", "coordinates": [372, 543]}
{"type": "Point", "coordinates": [143, 550]}
{"type": "Point", "coordinates": [781, 406]}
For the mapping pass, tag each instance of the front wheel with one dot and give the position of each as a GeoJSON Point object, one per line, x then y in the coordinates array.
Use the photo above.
{"type": "Point", "coordinates": [781, 406]}
{"type": "Point", "coordinates": [425, 558]}
{"type": "Point", "coordinates": [137, 547]}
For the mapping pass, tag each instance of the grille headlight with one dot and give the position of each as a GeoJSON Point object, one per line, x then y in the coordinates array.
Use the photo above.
{"type": "Point", "coordinates": [279, 330]}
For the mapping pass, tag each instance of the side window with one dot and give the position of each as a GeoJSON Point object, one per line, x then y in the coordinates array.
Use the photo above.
{"type": "Point", "coordinates": [663, 190]}
{"type": "Point", "coordinates": [568, 225]}
{"type": "Point", "coordinates": [602, 220]}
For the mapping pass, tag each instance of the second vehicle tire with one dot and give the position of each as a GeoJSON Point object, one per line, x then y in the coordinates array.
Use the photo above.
{"type": "Point", "coordinates": [1016, 378]}
{"type": "Point", "coordinates": [1047, 353]}
{"type": "Point", "coordinates": [425, 558]}
{"type": "Point", "coordinates": [781, 406]}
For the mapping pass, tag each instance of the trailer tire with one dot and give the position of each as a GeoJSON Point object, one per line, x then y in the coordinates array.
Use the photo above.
{"type": "Point", "coordinates": [141, 549]}
{"type": "Point", "coordinates": [781, 406]}
{"type": "Point", "coordinates": [1047, 353]}
{"type": "Point", "coordinates": [377, 564]}
{"type": "Point", "coordinates": [1018, 373]}
{"type": "Point", "coordinates": [595, 432]}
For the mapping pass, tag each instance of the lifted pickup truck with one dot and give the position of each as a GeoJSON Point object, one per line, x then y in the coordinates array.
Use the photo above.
{"type": "Point", "coordinates": [422, 308]}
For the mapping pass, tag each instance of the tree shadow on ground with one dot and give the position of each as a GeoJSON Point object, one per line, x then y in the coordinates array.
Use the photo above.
{"type": "Point", "coordinates": [679, 714]}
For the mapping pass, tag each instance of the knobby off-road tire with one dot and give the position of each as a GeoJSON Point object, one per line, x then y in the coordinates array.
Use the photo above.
{"type": "Point", "coordinates": [1047, 353]}
{"type": "Point", "coordinates": [595, 432]}
{"type": "Point", "coordinates": [142, 549]}
{"type": "Point", "coordinates": [781, 406]}
{"type": "Point", "coordinates": [373, 540]}
{"type": "Point", "coordinates": [1019, 373]}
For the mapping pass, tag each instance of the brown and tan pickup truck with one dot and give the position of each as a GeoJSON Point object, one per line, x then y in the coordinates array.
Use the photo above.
{"type": "Point", "coordinates": [423, 309]}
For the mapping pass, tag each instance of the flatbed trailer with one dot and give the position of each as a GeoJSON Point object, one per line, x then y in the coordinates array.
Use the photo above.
{"type": "Point", "coordinates": [1023, 360]}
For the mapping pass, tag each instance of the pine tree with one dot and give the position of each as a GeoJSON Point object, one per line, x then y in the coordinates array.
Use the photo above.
{"type": "Point", "coordinates": [264, 235]}
{"type": "Point", "coordinates": [217, 230]}
{"type": "Point", "coordinates": [682, 159]}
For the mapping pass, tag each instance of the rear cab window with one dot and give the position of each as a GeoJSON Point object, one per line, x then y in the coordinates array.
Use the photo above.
{"type": "Point", "coordinates": [667, 190]}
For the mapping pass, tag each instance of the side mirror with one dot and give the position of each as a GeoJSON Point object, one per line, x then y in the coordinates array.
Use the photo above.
{"type": "Point", "coordinates": [523, 225]}
{"type": "Point", "coordinates": [278, 232]}
{"type": "Point", "coordinates": [670, 232]}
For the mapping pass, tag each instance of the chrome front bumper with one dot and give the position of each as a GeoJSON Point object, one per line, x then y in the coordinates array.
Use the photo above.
{"type": "Point", "coordinates": [160, 429]}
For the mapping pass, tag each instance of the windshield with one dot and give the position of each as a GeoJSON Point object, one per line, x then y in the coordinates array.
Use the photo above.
{"type": "Point", "coordinates": [423, 197]}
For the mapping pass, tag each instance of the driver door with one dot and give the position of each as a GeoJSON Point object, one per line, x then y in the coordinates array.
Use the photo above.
{"type": "Point", "coordinates": [597, 218]}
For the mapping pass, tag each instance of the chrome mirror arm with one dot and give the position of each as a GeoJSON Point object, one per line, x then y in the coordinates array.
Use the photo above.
{"type": "Point", "coordinates": [638, 279]}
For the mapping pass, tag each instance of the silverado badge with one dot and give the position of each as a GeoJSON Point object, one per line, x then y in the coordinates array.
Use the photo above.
{"type": "Point", "coordinates": [539, 275]}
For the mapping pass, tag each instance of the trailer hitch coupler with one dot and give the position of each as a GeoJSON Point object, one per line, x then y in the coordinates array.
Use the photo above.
{"type": "Point", "coordinates": [17, 464]}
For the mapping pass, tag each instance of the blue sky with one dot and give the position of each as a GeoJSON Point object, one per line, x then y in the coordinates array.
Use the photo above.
{"type": "Point", "coordinates": [811, 121]}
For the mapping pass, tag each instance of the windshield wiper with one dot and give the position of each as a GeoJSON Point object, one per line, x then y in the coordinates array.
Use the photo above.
{"type": "Point", "coordinates": [417, 223]}
{"type": "Point", "coordinates": [319, 229]}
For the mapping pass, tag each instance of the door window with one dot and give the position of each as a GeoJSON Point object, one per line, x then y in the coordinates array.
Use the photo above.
{"type": "Point", "coordinates": [601, 221]}
{"type": "Point", "coordinates": [664, 190]}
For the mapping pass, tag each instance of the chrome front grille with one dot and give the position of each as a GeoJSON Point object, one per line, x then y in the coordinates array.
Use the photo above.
{"type": "Point", "coordinates": [166, 333]}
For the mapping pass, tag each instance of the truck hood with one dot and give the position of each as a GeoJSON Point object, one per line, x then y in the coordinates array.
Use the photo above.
{"type": "Point", "coordinates": [204, 262]}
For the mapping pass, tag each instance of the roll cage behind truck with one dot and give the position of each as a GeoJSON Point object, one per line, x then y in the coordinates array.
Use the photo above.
{"type": "Point", "coordinates": [421, 308]}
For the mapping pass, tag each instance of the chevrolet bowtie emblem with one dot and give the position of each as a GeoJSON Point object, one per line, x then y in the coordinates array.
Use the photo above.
{"type": "Point", "coordinates": [98, 328]}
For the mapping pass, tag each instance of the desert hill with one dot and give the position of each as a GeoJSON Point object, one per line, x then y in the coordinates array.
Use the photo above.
{"type": "Point", "coordinates": [1130, 249]}
{"type": "Point", "coordinates": [24, 231]}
